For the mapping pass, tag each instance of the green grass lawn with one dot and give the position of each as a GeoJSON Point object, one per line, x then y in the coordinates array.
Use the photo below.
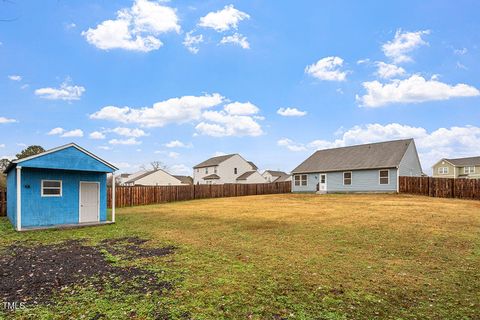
{"type": "Point", "coordinates": [285, 257]}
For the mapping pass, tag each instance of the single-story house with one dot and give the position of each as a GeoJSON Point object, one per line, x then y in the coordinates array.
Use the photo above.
{"type": "Point", "coordinates": [250, 177]}
{"type": "Point", "coordinates": [467, 168]}
{"type": "Point", "coordinates": [158, 177]}
{"type": "Point", "coordinates": [61, 186]}
{"type": "Point", "coordinates": [374, 167]}
{"type": "Point", "coordinates": [276, 176]}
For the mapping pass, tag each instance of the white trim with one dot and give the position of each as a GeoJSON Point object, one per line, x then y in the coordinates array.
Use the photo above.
{"type": "Point", "coordinates": [351, 178]}
{"type": "Point", "coordinates": [64, 147]}
{"type": "Point", "coordinates": [80, 200]}
{"type": "Point", "coordinates": [379, 177]}
{"type": "Point", "coordinates": [469, 171]}
{"type": "Point", "coordinates": [320, 181]}
{"type": "Point", "coordinates": [113, 197]}
{"type": "Point", "coordinates": [443, 171]}
{"type": "Point", "coordinates": [19, 198]}
{"type": "Point", "coordinates": [398, 179]}
{"type": "Point", "coordinates": [51, 195]}
{"type": "Point", "coordinates": [443, 159]}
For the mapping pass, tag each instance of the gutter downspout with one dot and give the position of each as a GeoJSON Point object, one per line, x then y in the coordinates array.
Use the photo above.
{"type": "Point", "coordinates": [19, 198]}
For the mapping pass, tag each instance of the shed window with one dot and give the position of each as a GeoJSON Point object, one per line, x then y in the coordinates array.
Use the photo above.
{"type": "Point", "coordinates": [469, 170]}
{"type": "Point", "coordinates": [347, 178]}
{"type": "Point", "coordinates": [384, 176]}
{"type": "Point", "coordinates": [443, 170]}
{"type": "Point", "coordinates": [301, 180]}
{"type": "Point", "coordinates": [51, 188]}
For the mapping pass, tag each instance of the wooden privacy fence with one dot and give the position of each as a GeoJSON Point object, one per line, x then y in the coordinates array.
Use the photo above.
{"type": "Point", "coordinates": [3, 202]}
{"type": "Point", "coordinates": [139, 195]}
{"type": "Point", "coordinates": [441, 187]}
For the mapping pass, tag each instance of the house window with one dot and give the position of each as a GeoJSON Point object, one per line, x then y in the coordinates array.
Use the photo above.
{"type": "Point", "coordinates": [468, 170]}
{"type": "Point", "coordinates": [384, 176]}
{"type": "Point", "coordinates": [235, 171]}
{"type": "Point", "coordinates": [215, 170]}
{"type": "Point", "coordinates": [206, 170]}
{"type": "Point", "coordinates": [198, 170]}
{"type": "Point", "coordinates": [347, 178]}
{"type": "Point", "coordinates": [51, 188]}
{"type": "Point", "coordinates": [300, 180]}
{"type": "Point", "coordinates": [443, 170]}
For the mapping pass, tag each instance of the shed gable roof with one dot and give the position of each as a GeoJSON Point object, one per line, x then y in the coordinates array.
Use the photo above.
{"type": "Point", "coordinates": [66, 157]}
{"type": "Point", "coordinates": [386, 154]}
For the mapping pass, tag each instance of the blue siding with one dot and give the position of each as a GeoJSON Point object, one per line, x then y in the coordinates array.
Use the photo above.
{"type": "Point", "coordinates": [362, 181]}
{"type": "Point", "coordinates": [12, 196]}
{"type": "Point", "coordinates": [45, 211]}
{"type": "Point", "coordinates": [410, 164]}
{"type": "Point", "coordinates": [67, 159]}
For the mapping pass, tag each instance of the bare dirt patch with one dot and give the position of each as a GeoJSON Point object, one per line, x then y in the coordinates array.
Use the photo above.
{"type": "Point", "coordinates": [34, 273]}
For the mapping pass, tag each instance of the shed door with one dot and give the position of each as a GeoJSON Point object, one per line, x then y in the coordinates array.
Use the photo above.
{"type": "Point", "coordinates": [89, 202]}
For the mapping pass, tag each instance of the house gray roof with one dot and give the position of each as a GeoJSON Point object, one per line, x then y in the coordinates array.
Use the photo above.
{"type": "Point", "coordinates": [211, 177]}
{"type": "Point", "coordinates": [245, 175]}
{"type": "Point", "coordinates": [141, 176]}
{"type": "Point", "coordinates": [386, 154]}
{"type": "Point", "coordinates": [215, 161]}
{"type": "Point", "coordinates": [276, 173]}
{"type": "Point", "coordinates": [282, 178]}
{"type": "Point", "coordinates": [185, 179]}
{"type": "Point", "coordinates": [460, 162]}
{"type": "Point", "coordinates": [254, 167]}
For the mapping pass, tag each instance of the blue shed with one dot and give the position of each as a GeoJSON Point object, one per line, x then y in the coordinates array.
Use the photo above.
{"type": "Point", "coordinates": [62, 186]}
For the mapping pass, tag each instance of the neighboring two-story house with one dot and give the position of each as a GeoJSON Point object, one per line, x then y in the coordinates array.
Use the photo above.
{"type": "Point", "coordinates": [457, 168]}
{"type": "Point", "coordinates": [230, 168]}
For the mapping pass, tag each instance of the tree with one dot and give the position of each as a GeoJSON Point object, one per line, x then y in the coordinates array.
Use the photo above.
{"type": "Point", "coordinates": [30, 151]}
{"type": "Point", "coordinates": [158, 165]}
{"type": "Point", "coordinates": [4, 164]}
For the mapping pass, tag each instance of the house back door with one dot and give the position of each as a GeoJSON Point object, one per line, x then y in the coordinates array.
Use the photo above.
{"type": "Point", "coordinates": [89, 202]}
{"type": "Point", "coordinates": [323, 182]}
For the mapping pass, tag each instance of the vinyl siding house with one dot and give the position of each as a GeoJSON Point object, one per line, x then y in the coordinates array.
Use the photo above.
{"type": "Point", "coordinates": [276, 176]}
{"type": "Point", "coordinates": [250, 177]}
{"type": "Point", "coordinates": [468, 168]}
{"type": "Point", "coordinates": [371, 167]}
{"type": "Point", "coordinates": [224, 169]}
{"type": "Point", "coordinates": [61, 186]}
{"type": "Point", "coordinates": [158, 178]}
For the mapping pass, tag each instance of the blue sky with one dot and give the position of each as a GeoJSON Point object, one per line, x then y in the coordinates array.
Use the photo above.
{"type": "Point", "coordinates": [180, 81]}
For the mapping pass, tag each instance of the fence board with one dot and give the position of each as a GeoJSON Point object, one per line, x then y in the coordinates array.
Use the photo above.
{"type": "Point", "coordinates": [140, 195]}
{"type": "Point", "coordinates": [441, 187]}
{"type": "Point", "coordinates": [3, 202]}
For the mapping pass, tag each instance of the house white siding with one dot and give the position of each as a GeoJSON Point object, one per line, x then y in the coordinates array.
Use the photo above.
{"type": "Point", "coordinates": [158, 178]}
{"type": "Point", "coordinates": [268, 177]}
{"type": "Point", "coordinates": [225, 170]}
{"type": "Point", "coordinates": [255, 177]}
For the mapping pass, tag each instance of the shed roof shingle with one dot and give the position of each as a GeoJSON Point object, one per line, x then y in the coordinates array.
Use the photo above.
{"type": "Point", "coordinates": [386, 154]}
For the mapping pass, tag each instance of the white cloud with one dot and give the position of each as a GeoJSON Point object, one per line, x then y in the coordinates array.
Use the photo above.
{"type": "Point", "coordinates": [291, 112]}
{"type": "Point", "coordinates": [65, 92]}
{"type": "Point", "coordinates": [222, 123]}
{"type": "Point", "coordinates": [327, 69]}
{"type": "Point", "coordinates": [105, 147]}
{"type": "Point", "coordinates": [415, 89]}
{"type": "Point", "coordinates": [97, 135]}
{"type": "Point", "coordinates": [56, 131]}
{"type": "Point", "coordinates": [363, 61]}
{"type": "Point", "coordinates": [127, 132]}
{"type": "Point", "coordinates": [241, 108]}
{"type": "Point", "coordinates": [388, 71]}
{"type": "Point", "coordinates": [290, 145]}
{"type": "Point", "coordinates": [177, 144]}
{"type": "Point", "coordinates": [450, 142]}
{"type": "Point", "coordinates": [218, 154]}
{"type": "Point", "coordinates": [6, 120]}
{"type": "Point", "coordinates": [191, 42]}
{"type": "Point", "coordinates": [64, 133]}
{"type": "Point", "coordinates": [2, 145]}
{"type": "Point", "coordinates": [15, 77]}
{"type": "Point", "coordinates": [136, 28]}
{"type": "Point", "coordinates": [404, 43]}
{"type": "Point", "coordinates": [223, 20]}
{"type": "Point", "coordinates": [71, 25]}
{"type": "Point", "coordinates": [460, 52]}
{"type": "Point", "coordinates": [72, 133]}
{"type": "Point", "coordinates": [176, 110]}
{"type": "Point", "coordinates": [173, 154]}
{"type": "Point", "coordinates": [179, 169]}
{"type": "Point", "coordinates": [237, 39]}
{"type": "Point", "coordinates": [129, 141]}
